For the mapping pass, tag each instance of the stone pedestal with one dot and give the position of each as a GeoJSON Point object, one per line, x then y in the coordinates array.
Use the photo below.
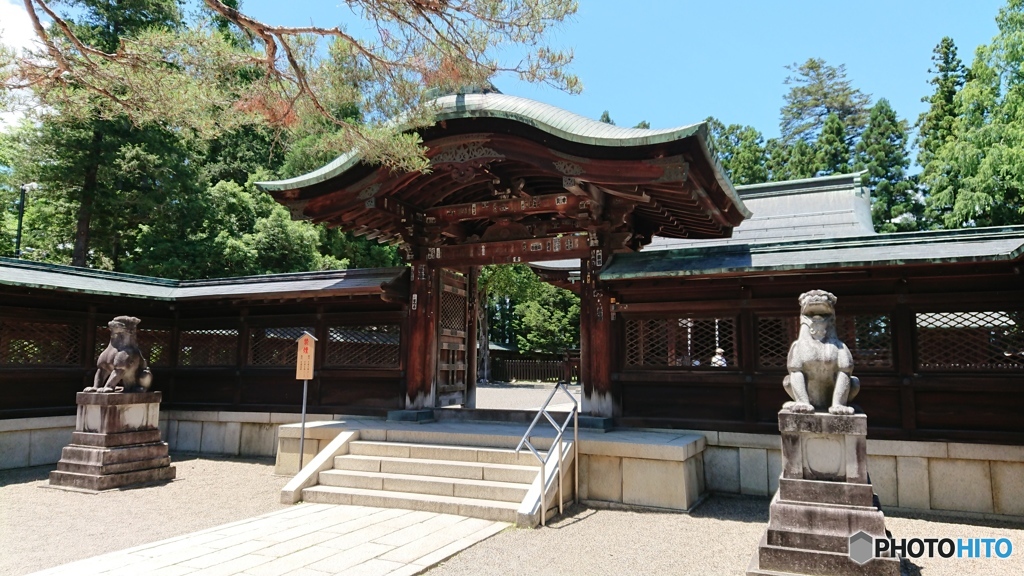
{"type": "Point", "coordinates": [824, 498]}
{"type": "Point", "coordinates": [116, 443]}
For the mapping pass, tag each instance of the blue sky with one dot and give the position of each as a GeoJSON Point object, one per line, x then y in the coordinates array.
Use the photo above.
{"type": "Point", "coordinates": [677, 62]}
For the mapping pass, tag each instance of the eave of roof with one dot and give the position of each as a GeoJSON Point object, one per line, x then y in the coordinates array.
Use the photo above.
{"type": "Point", "coordinates": [359, 281]}
{"type": "Point", "coordinates": [937, 247]}
{"type": "Point", "coordinates": [550, 119]}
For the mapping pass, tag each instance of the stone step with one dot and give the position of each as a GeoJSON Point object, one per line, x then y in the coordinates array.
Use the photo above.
{"type": "Point", "coordinates": [444, 452]}
{"type": "Point", "coordinates": [472, 507]}
{"type": "Point", "coordinates": [482, 489]}
{"type": "Point", "coordinates": [441, 468]}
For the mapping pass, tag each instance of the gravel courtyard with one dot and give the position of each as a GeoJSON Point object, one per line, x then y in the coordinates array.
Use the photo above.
{"type": "Point", "coordinates": [42, 527]}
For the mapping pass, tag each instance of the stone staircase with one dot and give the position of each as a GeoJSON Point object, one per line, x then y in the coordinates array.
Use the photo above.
{"type": "Point", "coordinates": [479, 482]}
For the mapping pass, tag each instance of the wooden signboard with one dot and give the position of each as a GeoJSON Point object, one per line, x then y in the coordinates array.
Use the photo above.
{"type": "Point", "coordinates": [304, 358]}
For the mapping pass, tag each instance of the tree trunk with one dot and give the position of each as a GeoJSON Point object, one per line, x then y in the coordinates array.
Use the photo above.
{"type": "Point", "coordinates": [88, 197]}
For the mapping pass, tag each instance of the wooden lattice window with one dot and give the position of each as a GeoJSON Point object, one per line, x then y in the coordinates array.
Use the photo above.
{"type": "Point", "coordinates": [208, 347]}
{"type": "Point", "coordinates": [370, 346]}
{"type": "Point", "coordinates": [453, 311]}
{"type": "Point", "coordinates": [274, 346]}
{"type": "Point", "coordinates": [970, 340]}
{"type": "Point", "coordinates": [681, 342]}
{"type": "Point", "coordinates": [39, 343]}
{"type": "Point", "coordinates": [868, 336]}
{"type": "Point", "coordinates": [774, 335]}
{"type": "Point", "coordinates": [154, 343]}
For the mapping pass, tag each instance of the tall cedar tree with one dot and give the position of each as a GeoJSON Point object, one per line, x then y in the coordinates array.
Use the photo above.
{"type": "Point", "coordinates": [817, 90]}
{"type": "Point", "coordinates": [606, 118]}
{"type": "Point", "coordinates": [832, 148]}
{"type": "Point", "coordinates": [882, 151]}
{"type": "Point", "coordinates": [102, 25]}
{"type": "Point", "coordinates": [936, 127]}
{"type": "Point", "coordinates": [984, 182]}
{"type": "Point", "coordinates": [741, 151]}
{"type": "Point", "coordinates": [794, 162]}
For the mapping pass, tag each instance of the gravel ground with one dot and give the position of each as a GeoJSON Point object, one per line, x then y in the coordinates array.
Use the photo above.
{"type": "Point", "coordinates": [521, 396]}
{"type": "Point", "coordinates": [719, 537]}
{"type": "Point", "coordinates": [42, 527]}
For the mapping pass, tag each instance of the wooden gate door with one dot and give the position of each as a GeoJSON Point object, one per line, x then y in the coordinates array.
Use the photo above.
{"type": "Point", "coordinates": [452, 338]}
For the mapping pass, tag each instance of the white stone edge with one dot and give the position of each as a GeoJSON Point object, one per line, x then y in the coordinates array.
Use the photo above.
{"type": "Point", "coordinates": [39, 423]}
{"type": "Point", "coordinates": [528, 515]}
{"type": "Point", "coordinates": [309, 475]}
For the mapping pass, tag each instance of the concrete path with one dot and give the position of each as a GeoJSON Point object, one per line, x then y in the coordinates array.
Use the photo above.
{"type": "Point", "coordinates": [304, 540]}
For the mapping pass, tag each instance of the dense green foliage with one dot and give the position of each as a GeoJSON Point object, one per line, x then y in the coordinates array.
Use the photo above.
{"type": "Point", "coordinates": [158, 200]}
{"type": "Point", "coordinates": [970, 140]}
{"type": "Point", "coordinates": [528, 314]}
{"type": "Point", "coordinates": [974, 173]}
{"type": "Point", "coordinates": [145, 194]}
{"type": "Point", "coordinates": [882, 151]}
{"type": "Point", "coordinates": [818, 90]}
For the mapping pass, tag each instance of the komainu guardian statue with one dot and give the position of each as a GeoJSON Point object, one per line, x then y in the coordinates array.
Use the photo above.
{"type": "Point", "coordinates": [121, 367]}
{"type": "Point", "coordinates": [820, 366]}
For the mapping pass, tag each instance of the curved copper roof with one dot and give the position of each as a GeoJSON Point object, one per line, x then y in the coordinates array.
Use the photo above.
{"type": "Point", "coordinates": [672, 175]}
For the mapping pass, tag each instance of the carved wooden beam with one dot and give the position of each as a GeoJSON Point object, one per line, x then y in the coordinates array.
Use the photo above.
{"type": "Point", "coordinates": [565, 204]}
{"type": "Point", "coordinates": [508, 252]}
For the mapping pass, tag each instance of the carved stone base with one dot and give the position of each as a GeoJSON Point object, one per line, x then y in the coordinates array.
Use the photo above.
{"type": "Point", "coordinates": [824, 498]}
{"type": "Point", "coordinates": [116, 443]}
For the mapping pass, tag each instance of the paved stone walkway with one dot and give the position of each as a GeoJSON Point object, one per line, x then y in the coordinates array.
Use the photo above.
{"type": "Point", "coordinates": [304, 540]}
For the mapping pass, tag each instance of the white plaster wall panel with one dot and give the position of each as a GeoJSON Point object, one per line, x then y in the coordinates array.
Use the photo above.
{"type": "Point", "coordinates": [753, 471]}
{"type": "Point", "coordinates": [882, 471]}
{"type": "Point", "coordinates": [189, 436]}
{"type": "Point", "coordinates": [964, 485]}
{"type": "Point", "coordinates": [14, 449]}
{"type": "Point", "coordinates": [1008, 488]}
{"type": "Point", "coordinates": [46, 445]}
{"type": "Point", "coordinates": [912, 482]}
{"type": "Point", "coordinates": [722, 469]}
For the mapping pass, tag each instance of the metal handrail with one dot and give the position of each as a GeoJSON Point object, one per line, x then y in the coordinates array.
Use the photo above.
{"type": "Point", "coordinates": [560, 429]}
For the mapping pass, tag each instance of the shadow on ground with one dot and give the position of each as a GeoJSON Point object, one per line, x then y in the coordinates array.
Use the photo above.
{"type": "Point", "coordinates": [25, 475]}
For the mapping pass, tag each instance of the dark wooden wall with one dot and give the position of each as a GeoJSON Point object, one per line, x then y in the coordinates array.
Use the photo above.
{"type": "Point", "coordinates": [941, 349]}
{"type": "Point", "coordinates": [208, 355]}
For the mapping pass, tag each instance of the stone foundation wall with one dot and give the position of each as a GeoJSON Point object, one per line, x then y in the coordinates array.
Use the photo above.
{"type": "Point", "coordinates": [34, 441]}
{"type": "Point", "coordinates": [943, 476]}
{"type": "Point", "coordinates": [38, 441]}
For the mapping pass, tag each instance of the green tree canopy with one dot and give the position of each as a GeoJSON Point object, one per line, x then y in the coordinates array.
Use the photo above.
{"type": "Point", "coordinates": [935, 125]}
{"type": "Point", "coordinates": [832, 149]}
{"type": "Point", "coordinates": [741, 151]}
{"type": "Point", "coordinates": [177, 73]}
{"type": "Point", "coordinates": [817, 90]}
{"type": "Point", "coordinates": [976, 177]}
{"type": "Point", "coordinates": [526, 312]}
{"type": "Point", "coordinates": [882, 151]}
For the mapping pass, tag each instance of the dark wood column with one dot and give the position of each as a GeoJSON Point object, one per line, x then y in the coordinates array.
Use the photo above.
{"type": "Point", "coordinates": [596, 341]}
{"type": "Point", "coordinates": [421, 352]}
{"type": "Point", "coordinates": [471, 336]}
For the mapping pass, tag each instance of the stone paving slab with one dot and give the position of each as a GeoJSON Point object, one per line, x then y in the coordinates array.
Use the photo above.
{"type": "Point", "coordinates": [304, 540]}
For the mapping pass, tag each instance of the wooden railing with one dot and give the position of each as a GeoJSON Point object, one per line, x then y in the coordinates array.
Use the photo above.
{"type": "Point", "coordinates": [505, 370]}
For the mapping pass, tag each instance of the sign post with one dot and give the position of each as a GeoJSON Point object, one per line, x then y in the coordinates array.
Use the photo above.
{"type": "Point", "coordinates": [304, 372]}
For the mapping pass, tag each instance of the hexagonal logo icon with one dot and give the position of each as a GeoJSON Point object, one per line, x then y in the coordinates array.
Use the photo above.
{"type": "Point", "coordinates": [862, 547]}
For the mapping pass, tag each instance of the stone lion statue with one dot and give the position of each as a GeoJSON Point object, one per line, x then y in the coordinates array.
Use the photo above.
{"type": "Point", "coordinates": [121, 367]}
{"type": "Point", "coordinates": [820, 366]}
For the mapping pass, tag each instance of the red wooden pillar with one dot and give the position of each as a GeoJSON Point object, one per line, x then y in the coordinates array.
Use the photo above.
{"type": "Point", "coordinates": [596, 341]}
{"type": "Point", "coordinates": [421, 358]}
{"type": "Point", "coordinates": [472, 320]}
